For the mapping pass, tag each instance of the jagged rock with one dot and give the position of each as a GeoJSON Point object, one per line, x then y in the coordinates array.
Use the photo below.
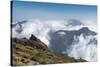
{"type": "Point", "coordinates": [33, 42]}
{"type": "Point", "coordinates": [33, 38]}
{"type": "Point", "coordinates": [37, 42]}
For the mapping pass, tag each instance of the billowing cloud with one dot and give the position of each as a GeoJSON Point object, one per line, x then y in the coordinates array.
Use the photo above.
{"type": "Point", "coordinates": [79, 47]}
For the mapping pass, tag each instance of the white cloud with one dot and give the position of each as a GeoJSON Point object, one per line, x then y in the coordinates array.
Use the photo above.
{"type": "Point", "coordinates": [83, 49]}
{"type": "Point", "coordinates": [41, 29]}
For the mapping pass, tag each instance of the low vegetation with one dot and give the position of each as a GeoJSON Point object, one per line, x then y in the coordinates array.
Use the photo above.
{"type": "Point", "coordinates": [34, 52]}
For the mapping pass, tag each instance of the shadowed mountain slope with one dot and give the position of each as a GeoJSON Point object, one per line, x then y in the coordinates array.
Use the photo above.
{"type": "Point", "coordinates": [62, 39]}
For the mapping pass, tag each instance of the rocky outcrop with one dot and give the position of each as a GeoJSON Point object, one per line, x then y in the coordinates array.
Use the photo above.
{"type": "Point", "coordinates": [32, 42]}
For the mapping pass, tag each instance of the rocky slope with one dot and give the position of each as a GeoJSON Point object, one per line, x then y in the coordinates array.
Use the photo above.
{"type": "Point", "coordinates": [34, 52]}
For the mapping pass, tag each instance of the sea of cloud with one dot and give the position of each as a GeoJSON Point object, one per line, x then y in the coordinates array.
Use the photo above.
{"type": "Point", "coordinates": [41, 29]}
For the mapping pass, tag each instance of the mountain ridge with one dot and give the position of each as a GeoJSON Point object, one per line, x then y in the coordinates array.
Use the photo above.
{"type": "Point", "coordinates": [34, 52]}
{"type": "Point", "coordinates": [64, 41]}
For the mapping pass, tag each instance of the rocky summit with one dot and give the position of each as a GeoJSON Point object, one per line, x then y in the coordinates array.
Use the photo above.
{"type": "Point", "coordinates": [33, 51]}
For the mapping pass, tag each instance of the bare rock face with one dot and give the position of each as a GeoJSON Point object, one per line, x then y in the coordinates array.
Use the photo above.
{"type": "Point", "coordinates": [33, 42]}
{"type": "Point", "coordinates": [33, 38]}
{"type": "Point", "coordinates": [38, 43]}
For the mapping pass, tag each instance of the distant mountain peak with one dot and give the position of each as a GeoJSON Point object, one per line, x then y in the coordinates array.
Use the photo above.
{"type": "Point", "coordinates": [64, 42]}
{"type": "Point", "coordinates": [74, 22]}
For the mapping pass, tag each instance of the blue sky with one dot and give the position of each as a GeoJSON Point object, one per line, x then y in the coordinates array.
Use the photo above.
{"type": "Point", "coordinates": [23, 10]}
